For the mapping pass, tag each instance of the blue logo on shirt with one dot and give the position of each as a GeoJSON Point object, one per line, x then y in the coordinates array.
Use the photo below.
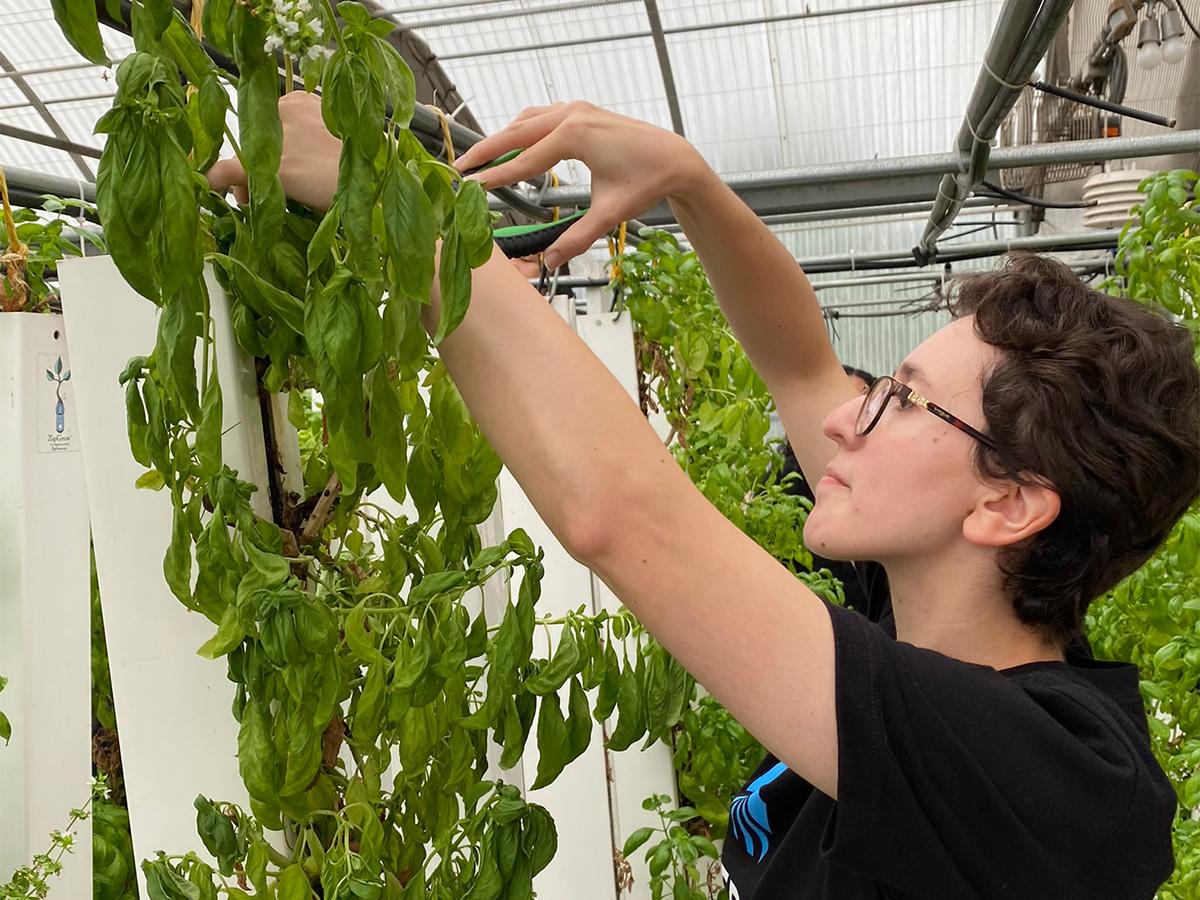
{"type": "Point", "coordinates": [748, 814]}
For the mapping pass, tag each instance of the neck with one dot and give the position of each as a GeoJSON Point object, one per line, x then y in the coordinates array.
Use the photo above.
{"type": "Point", "coordinates": [957, 607]}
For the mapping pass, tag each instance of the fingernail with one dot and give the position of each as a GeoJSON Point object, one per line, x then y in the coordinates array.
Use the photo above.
{"type": "Point", "coordinates": [552, 260]}
{"type": "Point", "coordinates": [477, 176]}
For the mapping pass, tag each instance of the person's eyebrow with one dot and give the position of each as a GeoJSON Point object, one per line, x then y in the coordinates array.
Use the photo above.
{"type": "Point", "coordinates": [909, 372]}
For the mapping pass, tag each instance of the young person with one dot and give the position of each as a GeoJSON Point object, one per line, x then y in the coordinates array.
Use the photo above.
{"type": "Point", "coordinates": [969, 755]}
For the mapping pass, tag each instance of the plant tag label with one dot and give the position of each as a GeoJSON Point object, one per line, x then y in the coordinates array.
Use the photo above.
{"type": "Point", "coordinates": [55, 414]}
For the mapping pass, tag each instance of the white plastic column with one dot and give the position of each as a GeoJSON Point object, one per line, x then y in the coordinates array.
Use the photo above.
{"type": "Point", "coordinates": [45, 607]}
{"type": "Point", "coordinates": [178, 734]}
{"type": "Point", "coordinates": [636, 774]}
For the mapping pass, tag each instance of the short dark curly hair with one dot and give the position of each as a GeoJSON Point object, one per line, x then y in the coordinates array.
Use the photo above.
{"type": "Point", "coordinates": [1098, 396]}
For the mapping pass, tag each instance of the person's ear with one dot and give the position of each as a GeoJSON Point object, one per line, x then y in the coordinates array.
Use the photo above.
{"type": "Point", "coordinates": [1011, 513]}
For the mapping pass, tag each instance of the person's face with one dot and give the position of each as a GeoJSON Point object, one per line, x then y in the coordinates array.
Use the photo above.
{"type": "Point", "coordinates": [905, 489]}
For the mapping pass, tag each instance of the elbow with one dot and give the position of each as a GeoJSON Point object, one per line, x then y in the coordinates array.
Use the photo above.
{"type": "Point", "coordinates": [586, 533]}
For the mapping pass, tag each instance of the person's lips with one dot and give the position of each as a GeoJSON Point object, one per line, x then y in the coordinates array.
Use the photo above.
{"type": "Point", "coordinates": [833, 478]}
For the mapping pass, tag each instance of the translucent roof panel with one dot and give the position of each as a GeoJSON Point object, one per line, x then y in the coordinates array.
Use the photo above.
{"type": "Point", "coordinates": [760, 84]}
{"type": "Point", "coordinates": [838, 84]}
{"type": "Point", "coordinates": [54, 92]}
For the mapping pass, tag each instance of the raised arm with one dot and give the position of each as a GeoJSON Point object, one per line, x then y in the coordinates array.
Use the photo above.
{"type": "Point", "coordinates": [602, 480]}
{"type": "Point", "coordinates": [762, 291]}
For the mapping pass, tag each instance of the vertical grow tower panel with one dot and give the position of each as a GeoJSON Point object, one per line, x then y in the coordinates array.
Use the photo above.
{"type": "Point", "coordinates": [178, 733]}
{"type": "Point", "coordinates": [44, 601]}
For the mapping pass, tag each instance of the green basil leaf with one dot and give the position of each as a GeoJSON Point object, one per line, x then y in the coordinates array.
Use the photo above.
{"type": "Point", "coordinates": [410, 228]}
{"type": "Point", "coordinates": [541, 838]}
{"type": "Point", "coordinates": [262, 295]}
{"type": "Point", "coordinates": [579, 721]}
{"type": "Point", "coordinates": [135, 418]}
{"type": "Point", "coordinates": [455, 281]}
{"type": "Point", "coordinates": [303, 751]}
{"type": "Point", "coordinates": [81, 26]}
{"type": "Point", "coordinates": [473, 221]}
{"type": "Point", "coordinates": [229, 635]}
{"type": "Point", "coordinates": [208, 431]}
{"type": "Point", "coordinates": [552, 740]}
{"type": "Point", "coordinates": [321, 245]}
{"type": "Point", "coordinates": [631, 721]}
{"type": "Point", "coordinates": [355, 631]}
{"type": "Point", "coordinates": [257, 759]}
{"type": "Point", "coordinates": [293, 884]}
{"type": "Point", "coordinates": [177, 564]}
{"type": "Point", "coordinates": [262, 145]}
{"type": "Point", "coordinates": [206, 116]}
{"type": "Point", "coordinates": [217, 832]}
{"type": "Point", "coordinates": [273, 567]}
{"type": "Point", "coordinates": [562, 666]}
{"type": "Point", "coordinates": [367, 712]}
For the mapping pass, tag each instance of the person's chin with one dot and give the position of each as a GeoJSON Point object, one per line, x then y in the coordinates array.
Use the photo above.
{"type": "Point", "coordinates": [821, 535]}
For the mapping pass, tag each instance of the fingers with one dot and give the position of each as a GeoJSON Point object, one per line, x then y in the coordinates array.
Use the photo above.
{"type": "Point", "coordinates": [228, 175]}
{"type": "Point", "coordinates": [517, 134]}
{"type": "Point", "coordinates": [540, 157]}
{"type": "Point", "coordinates": [579, 237]}
{"type": "Point", "coordinates": [531, 111]}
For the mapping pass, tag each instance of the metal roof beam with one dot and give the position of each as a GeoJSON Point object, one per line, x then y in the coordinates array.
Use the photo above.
{"type": "Point", "coordinates": [39, 106]}
{"type": "Point", "coordinates": [45, 140]}
{"type": "Point", "coordinates": [901, 180]}
{"type": "Point", "coordinates": [664, 65]}
{"type": "Point", "coordinates": [521, 13]}
{"type": "Point", "coordinates": [707, 26]}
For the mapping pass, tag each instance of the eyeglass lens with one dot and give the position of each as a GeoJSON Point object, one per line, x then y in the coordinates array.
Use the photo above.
{"type": "Point", "coordinates": [873, 404]}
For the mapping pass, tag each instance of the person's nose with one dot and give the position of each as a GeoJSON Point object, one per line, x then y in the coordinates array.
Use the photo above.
{"type": "Point", "coordinates": [840, 425]}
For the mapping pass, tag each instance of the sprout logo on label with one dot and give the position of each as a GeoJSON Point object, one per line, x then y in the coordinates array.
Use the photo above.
{"type": "Point", "coordinates": [55, 407]}
{"type": "Point", "coordinates": [60, 408]}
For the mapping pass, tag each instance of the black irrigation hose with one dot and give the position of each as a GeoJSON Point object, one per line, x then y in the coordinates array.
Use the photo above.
{"type": "Point", "coordinates": [35, 200]}
{"type": "Point", "coordinates": [1005, 194]}
{"type": "Point", "coordinates": [1100, 103]}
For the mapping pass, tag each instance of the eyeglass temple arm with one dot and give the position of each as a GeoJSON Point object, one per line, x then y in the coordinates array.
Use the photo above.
{"type": "Point", "coordinates": [945, 415]}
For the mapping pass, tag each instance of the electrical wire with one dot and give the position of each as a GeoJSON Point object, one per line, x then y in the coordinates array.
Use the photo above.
{"type": "Point", "coordinates": [1033, 201]}
{"type": "Point", "coordinates": [1183, 12]}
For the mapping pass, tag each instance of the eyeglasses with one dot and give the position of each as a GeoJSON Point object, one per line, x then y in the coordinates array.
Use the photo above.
{"type": "Point", "coordinates": [884, 388]}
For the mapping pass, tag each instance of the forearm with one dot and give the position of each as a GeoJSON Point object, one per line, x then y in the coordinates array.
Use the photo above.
{"type": "Point", "coordinates": [558, 419]}
{"type": "Point", "coordinates": [764, 294]}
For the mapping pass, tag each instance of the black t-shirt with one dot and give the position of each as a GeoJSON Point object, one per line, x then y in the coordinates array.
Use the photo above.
{"type": "Point", "coordinates": [959, 781]}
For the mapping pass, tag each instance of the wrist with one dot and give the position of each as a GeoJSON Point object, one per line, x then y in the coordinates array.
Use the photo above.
{"type": "Point", "coordinates": [692, 179]}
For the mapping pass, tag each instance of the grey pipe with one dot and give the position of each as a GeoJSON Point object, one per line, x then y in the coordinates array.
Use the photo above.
{"type": "Point", "coordinates": [1022, 34]}
{"type": "Point", "coordinates": [1099, 149]}
{"type": "Point", "coordinates": [1096, 240]}
{"type": "Point", "coordinates": [37, 183]}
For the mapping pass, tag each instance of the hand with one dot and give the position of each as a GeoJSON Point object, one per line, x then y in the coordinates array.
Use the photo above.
{"type": "Point", "coordinates": [309, 165]}
{"type": "Point", "coordinates": [633, 164]}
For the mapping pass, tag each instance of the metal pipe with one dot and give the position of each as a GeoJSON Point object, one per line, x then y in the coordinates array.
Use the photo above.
{"type": "Point", "coordinates": [84, 98]}
{"type": "Point", "coordinates": [1096, 150]}
{"type": "Point", "coordinates": [28, 200]}
{"type": "Point", "coordinates": [1022, 33]}
{"type": "Point", "coordinates": [1100, 103]}
{"type": "Point", "coordinates": [433, 7]}
{"type": "Point", "coordinates": [519, 13]}
{"type": "Point", "coordinates": [664, 65]}
{"type": "Point", "coordinates": [692, 29]}
{"type": "Point", "coordinates": [46, 140]}
{"type": "Point", "coordinates": [68, 67]}
{"type": "Point", "coordinates": [36, 183]}
{"type": "Point", "coordinates": [1098, 240]}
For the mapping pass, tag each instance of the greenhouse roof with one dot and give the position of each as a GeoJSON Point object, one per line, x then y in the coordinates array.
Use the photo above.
{"type": "Point", "coordinates": [822, 81]}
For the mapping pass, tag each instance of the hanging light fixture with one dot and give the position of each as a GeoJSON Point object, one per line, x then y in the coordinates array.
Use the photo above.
{"type": "Point", "coordinates": [1174, 45]}
{"type": "Point", "coordinates": [1149, 53]}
